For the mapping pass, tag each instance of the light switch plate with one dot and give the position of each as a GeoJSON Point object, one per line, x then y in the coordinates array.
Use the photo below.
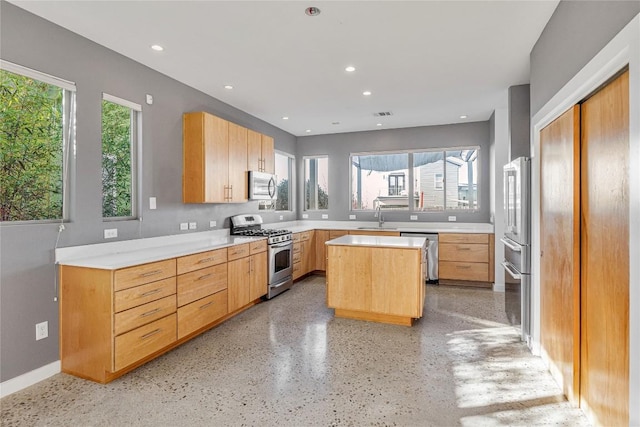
{"type": "Point", "coordinates": [325, 216]}
{"type": "Point", "coordinates": [152, 203]}
{"type": "Point", "coordinates": [110, 233]}
{"type": "Point", "coordinates": [149, 99]}
{"type": "Point", "coordinates": [193, 225]}
{"type": "Point", "coordinates": [413, 217]}
{"type": "Point", "coordinates": [452, 218]}
{"type": "Point", "coordinates": [212, 224]}
{"type": "Point", "coordinates": [184, 226]}
{"type": "Point", "coordinates": [305, 216]}
{"type": "Point", "coordinates": [352, 217]}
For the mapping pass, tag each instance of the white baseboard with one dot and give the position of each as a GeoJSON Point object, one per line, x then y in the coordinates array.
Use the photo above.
{"type": "Point", "coordinates": [498, 287]}
{"type": "Point", "coordinates": [30, 378]}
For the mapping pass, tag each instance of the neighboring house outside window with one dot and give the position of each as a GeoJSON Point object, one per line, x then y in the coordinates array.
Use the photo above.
{"type": "Point", "coordinates": [36, 135]}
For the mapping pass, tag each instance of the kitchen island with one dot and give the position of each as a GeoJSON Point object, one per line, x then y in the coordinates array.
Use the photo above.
{"type": "Point", "coordinates": [377, 278]}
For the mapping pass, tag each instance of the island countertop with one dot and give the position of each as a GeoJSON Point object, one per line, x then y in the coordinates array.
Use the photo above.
{"type": "Point", "coordinates": [379, 241]}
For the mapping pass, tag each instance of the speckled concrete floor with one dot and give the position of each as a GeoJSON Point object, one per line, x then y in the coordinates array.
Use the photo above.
{"type": "Point", "coordinates": [289, 362]}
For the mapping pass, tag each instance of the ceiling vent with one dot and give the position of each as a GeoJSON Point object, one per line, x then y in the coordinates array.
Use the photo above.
{"type": "Point", "coordinates": [383, 114]}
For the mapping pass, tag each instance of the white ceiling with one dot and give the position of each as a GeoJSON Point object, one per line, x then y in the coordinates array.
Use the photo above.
{"type": "Point", "coordinates": [427, 62]}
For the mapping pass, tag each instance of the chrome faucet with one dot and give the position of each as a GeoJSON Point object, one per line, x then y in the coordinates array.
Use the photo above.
{"type": "Point", "coordinates": [378, 215]}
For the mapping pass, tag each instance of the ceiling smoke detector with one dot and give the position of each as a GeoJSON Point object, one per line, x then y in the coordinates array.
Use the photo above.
{"type": "Point", "coordinates": [383, 114]}
{"type": "Point", "coordinates": [312, 11]}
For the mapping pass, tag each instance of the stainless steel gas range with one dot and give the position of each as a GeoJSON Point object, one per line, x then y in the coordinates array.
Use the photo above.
{"type": "Point", "coordinates": [279, 250]}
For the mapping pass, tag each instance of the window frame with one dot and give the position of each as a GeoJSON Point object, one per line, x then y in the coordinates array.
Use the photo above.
{"type": "Point", "coordinates": [304, 184]}
{"type": "Point", "coordinates": [68, 137]}
{"type": "Point", "coordinates": [410, 179]}
{"type": "Point", "coordinates": [291, 166]}
{"type": "Point", "coordinates": [136, 156]}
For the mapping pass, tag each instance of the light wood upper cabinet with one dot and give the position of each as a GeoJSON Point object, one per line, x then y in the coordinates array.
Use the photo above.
{"type": "Point", "coordinates": [214, 160]}
{"type": "Point", "coordinates": [261, 151]}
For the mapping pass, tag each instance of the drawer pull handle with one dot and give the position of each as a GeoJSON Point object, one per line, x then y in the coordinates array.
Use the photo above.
{"type": "Point", "coordinates": [204, 277]}
{"type": "Point", "coordinates": [202, 307]}
{"type": "Point", "coordinates": [149, 313]}
{"type": "Point", "coordinates": [463, 267]}
{"type": "Point", "coordinates": [155, 291]}
{"type": "Point", "coordinates": [150, 334]}
{"type": "Point", "coordinates": [463, 249]}
{"type": "Point", "coordinates": [151, 273]}
{"type": "Point", "coordinates": [202, 261]}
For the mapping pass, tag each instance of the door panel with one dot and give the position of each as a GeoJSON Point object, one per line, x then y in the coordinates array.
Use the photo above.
{"type": "Point", "coordinates": [559, 243]}
{"type": "Point", "coordinates": [604, 362]}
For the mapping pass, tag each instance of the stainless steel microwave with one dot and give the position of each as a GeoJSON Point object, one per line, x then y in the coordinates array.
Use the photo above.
{"type": "Point", "coordinates": [262, 186]}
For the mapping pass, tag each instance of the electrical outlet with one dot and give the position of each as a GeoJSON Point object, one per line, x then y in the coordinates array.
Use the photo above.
{"type": "Point", "coordinates": [352, 217]}
{"type": "Point", "coordinates": [212, 224]}
{"type": "Point", "coordinates": [152, 203]}
{"type": "Point", "coordinates": [110, 233]}
{"type": "Point", "coordinates": [325, 216]}
{"type": "Point", "coordinates": [452, 218]}
{"type": "Point", "coordinates": [42, 330]}
{"type": "Point", "coordinates": [305, 216]}
{"type": "Point", "coordinates": [281, 217]}
{"type": "Point", "coordinates": [193, 225]}
{"type": "Point", "coordinates": [149, 99]}
{"type": "Point", "coordinates": [184, 226]}
{"type": "Point", "coordinates": [413, 217]}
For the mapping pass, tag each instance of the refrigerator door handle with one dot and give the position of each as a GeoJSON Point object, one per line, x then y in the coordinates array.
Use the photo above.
{"type": "Point", "coordinates": [512, 272]}
{"type": "Point", "coordinates": [510, 245]}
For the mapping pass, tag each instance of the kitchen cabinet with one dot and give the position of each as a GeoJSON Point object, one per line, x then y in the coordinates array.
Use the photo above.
{"type": "Point", "coordinates": [371, 281]}
{"type": "Point", "coordinates": [112, 321]}
{"type": "Point", "coordinates": [466, 257]}
{"type": "Point", "coordinates": [247, 274]}
{"type": "Point", "coordinates": [304, 258]}
{"type": "Point", "coordinates": [261, 152]}
{"type": "Point", "coordinates": [321, 237]}
{"type": "Point", "coordinates": [214, 160]}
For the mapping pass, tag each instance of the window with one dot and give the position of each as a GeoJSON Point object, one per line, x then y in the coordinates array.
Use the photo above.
{"type": "Point", "coordinates": [439, 180]}
{"type": "Point", "coordinates": [316, 183]}
{"type": "Point", "coordinates": [379, 180]}
{"type": "Point", "coordinates": [36, 132]}
{"type": "Point", "coordinates": [284, 168]}
{"type": "Point", "coordinates": [119, 146]}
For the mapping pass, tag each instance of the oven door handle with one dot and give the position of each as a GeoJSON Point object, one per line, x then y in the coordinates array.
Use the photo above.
{"type": "Point", "coordinates": [278, 285]}
{"type": "Point", "coordinates": [512, 271]}
{"type": "Point", "coordinates": [280, 245]}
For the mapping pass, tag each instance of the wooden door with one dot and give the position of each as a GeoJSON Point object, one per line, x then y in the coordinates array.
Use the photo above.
{"type": "Point", "coordinates": [604, 361]}
{"type": "Point", "coordinates": [259, 276]}
{"type": "Point", "coordinates": [268, 154]}
{"type": "Point", "coordinates": [238, 185]}
{"type": "Point", "coordinates": [560, 250]}
{"type": "Point", "coordinates": [254, 151]}
{"type": "Point", "coordinates": [238, 284]}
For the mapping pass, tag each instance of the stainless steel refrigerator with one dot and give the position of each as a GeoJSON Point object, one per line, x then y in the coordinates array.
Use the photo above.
{"type": "Point", "coordinates": [517, 244]}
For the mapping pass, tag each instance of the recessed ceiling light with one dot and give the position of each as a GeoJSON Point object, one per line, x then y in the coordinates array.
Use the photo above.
{"type": "Point", "coordinates": [335, 123]}
{"type": "Point", "coordinates": [229, 87]}
{"type": "Point", "coordinates": [350, 69]}
{"type": "Point", "coordinates": [366, 93]}
{"type": "Point", "coordinates": [463, 116]}
{"type": "Point", "coordinates": [285, 118]}
{"type": "Point", "coordinates": [312, 11]}
{"type": "Point", "coordinates": [308, 131]}
{"type": "Point", "coordinates": [378, 124]}
{"type": "Point", "coordinates": [157, 47]}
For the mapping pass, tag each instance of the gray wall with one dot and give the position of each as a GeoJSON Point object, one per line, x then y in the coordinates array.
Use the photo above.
{"type": "Point", "coordinates": [338, 147]}
{"type": "Point", "coordinates": [576, 31]}
{"type": "Point", "coordinates": [27, 272]}
{"type": "Point", "coordinates": [519, 122]}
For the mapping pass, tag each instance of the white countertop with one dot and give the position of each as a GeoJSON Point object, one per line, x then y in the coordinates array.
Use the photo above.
{"type": "Point", "coordinates": [379, 241]}
{"type": "Point", "coordinates": [412, 227]}
{"type": "Point", "coordinates": [140, 251]}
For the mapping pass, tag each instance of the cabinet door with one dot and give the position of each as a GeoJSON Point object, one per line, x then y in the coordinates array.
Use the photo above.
{"type": "Point", "coordinates": [254, 151]}
{"type": "Point", "coordinates": [268, 154]}
{"type": "Point", "coordinates": [238, 283]}
{"type": "Point", "coordinates": [395, 281]}
{"type": "Point", "coordinates": [238, 187]}
{"type": "Point", "coordinates": [258, 285]}
{"type": "Point", "coordinates": [321, 252]}
{"type": "Point", "coordinates": [349, 278]}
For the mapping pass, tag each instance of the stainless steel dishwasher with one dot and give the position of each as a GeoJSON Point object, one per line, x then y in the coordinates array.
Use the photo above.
{"type": "Point", "coordinates": [432, 254]}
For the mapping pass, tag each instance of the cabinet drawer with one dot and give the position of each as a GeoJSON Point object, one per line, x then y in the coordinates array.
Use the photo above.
{"type": "Point", "coordinates": [296, 257]}
{"type": "Point", "coordinates": [238, 251]}
{"type": "Point", "coordinates": [146, 340]}
{"type": "Point", "coordinates": [257, 247]}
{"type": "Point", "coordinates": [138, 316]}
{"type": "Point", "coordinates": [201, 260]}
{"type": "Point", "coordinates": [200, 313]}
{"type": "Point", "coordinates": [305, 236]}
{"type": "Point", "coordinates": [297, 270]}
{"type": "Point", "coordinates": [463, 252]}
{"type": "Point", "coordinates": [140, 274]}
{"type": "Point", "coordinates": [463, 238]}
{"type": "Point", "coordinates": [296, 237]}
{"type": "Point", "coordinates": [296, 248]}
{"type": "Point", "coordinates": [143, 294]}
{"type": "Point", "coordinates": [198, 284]}
{"type": "Point", "coordinates": [477, 271]}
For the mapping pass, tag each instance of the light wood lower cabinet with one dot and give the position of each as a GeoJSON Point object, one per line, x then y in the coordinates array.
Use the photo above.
{"type": "Point", "coordinates": [304, 253]}
{"type": "Point", "coordinates": [247, 275]}
{"type": "Point", "coordinates": [322, 236]}
{"type": "Point", "coordinates": [201, 313]}
{"type": "Point", "coordinates": [466, 257]}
